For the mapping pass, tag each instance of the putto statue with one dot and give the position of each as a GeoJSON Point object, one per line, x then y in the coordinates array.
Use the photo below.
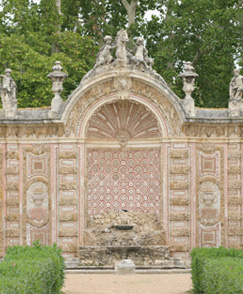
{"type": "Point", "coordinates": [8, 90]}
{"type": "Point", "coordinates": [104, 56]}
{"type": "Point", "coordinates": [122, 58]}
{"type": "Point", "coordinates": [236, 86]}
{"type": "Point", "coordinates": [141, 58]}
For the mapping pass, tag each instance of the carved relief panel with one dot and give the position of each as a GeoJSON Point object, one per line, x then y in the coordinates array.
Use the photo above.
{"type": "Point", "coordinates": [209, 203]}
{"type": "Point", "coordinates": [210, 200]}
{"type": "Point", "coordinates": [37, 204]}
{"type": "Point", "coordinates": [37, 198]}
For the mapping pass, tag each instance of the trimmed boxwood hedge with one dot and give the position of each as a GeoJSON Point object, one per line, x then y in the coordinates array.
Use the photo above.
{"type": "Point", "coordinates": [203, 260]}
{"type": "Point", "coordinates": [28, 270]}
{"type": "Point", "coordinates": [223, 276]}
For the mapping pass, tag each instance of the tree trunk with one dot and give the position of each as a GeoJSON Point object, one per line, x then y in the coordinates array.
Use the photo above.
{"type": "Point", "coordinates": [59, 6]}
{"type": "Point", "coordinates": [54, 47]}
{"type": "Point", "coordinates": [131, 10]}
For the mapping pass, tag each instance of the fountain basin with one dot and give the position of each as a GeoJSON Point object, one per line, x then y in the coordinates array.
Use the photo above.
{"type": "Point", "coordinates": [123, 227]}
{"type": "Point", "coordinates": [123, 248]}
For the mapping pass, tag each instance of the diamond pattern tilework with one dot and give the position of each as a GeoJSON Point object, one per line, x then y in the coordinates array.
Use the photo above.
{"type": "Point", "coordinates": [123, 179]}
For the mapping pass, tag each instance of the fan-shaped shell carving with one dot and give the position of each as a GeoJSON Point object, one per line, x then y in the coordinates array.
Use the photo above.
{"type": "Point", "coordinates": [111, 119]}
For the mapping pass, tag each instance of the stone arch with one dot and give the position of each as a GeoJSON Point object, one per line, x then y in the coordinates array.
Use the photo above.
{"type": "Point", "coordinates": [91, 95]}
{"type": "Point", "coordinates": [154, 113]}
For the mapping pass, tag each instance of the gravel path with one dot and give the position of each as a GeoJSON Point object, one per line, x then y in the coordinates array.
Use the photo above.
{"type": "Point", "coordinates": [127, 284]}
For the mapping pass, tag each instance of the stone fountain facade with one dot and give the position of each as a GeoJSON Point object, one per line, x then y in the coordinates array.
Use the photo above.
{"type": "Point", "coordinates": [112, 236]}
{"type": "Point", "coordinates": [121, 141]}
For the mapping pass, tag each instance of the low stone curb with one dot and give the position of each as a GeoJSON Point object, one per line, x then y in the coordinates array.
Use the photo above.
{"type": "Point", "coordinates": [137, 271]}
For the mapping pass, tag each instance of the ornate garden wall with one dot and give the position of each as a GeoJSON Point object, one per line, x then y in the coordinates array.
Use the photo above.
{"type": "Point", "coordinates": [122, 140]}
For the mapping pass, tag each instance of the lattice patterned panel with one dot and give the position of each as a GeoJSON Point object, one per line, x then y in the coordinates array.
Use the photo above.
{"type": "Point", "coordinates": [128, 179]}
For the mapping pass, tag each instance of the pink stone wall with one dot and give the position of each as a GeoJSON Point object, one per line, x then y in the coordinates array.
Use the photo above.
{"type": "Point", "coordinates": [123, 179]}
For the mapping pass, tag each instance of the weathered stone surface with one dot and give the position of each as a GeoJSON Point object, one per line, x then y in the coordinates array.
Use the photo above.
{"type": "Point", "coordinates": [67, 154]}
{"type": "Point", "coordinates": [234, 184]}
{"type": "Point", "coordinates": [12, 233]}
{"type": "Point", "coordinates": [235, 200]}
{"type": "Point", "coordinates": [179, 216]}
{"type": "Point", "coordinates": [179, 185]}
{"type": "Point", "coordinates": [179, 153]}
{"type": "Point", "coordinates": [234, 169]}
{"type": "Point", "coordinates": [125, 267]}
{"type": "Point", "coordinates": [12, 155]}
{"type": "Point", "coordinates": [233, 215]}
{"type": "Point", "coordinates": [71, 248]}
{"type": "Point", "coordinates": [12, 171]}
{"type": "Point", "coordinates": [68, 170]}
{"type": "Point", "coordinates": [235, 231]}
{"type": "Point", "coordinates": [68, 186]}
{"type": "Point", "coordinates": [145, 256]}
{"type": "Point", "coordinates": [235, 154]}
{"type": "Point", "coordinates": [68, 232]}
{"type": "Point", "coordinates": [179, 169]}
{"type": "Point", "coordinates": [180, 233]}
{"type": "Point", "coordinates": [179, 201]}
{"type": "Point", "coordinates": [12, 186]}
{"type": "Point", "coordinates": [12, 201]}
{"type": "Point", "coordinates": [68, 216]}
{"type": "Point", "coordinates": [12, 217]}
{"type": "Point", "coordinates": [179, 248]}
{"type": "Point", "coordinates": [68, 201]}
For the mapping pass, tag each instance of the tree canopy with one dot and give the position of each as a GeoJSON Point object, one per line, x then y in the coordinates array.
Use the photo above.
{"type": "Point", "coordinates": [33, 35]}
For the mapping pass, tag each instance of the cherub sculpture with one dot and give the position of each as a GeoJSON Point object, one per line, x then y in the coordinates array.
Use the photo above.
{"type": "Point", "coordinates": [141, 58]}
{"type": "Point", "coordinates": [8, 94]}
{"type": "Point", "coordinates": [236, 86]}
{"type": "Point", "coordinates": [8, 88]}
{"type": "Point", "coordinates": [104, 56]}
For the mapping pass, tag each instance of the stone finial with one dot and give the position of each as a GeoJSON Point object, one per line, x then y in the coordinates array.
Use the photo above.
{"type": "Point", "coordinates": [57, 77]}
{"type": "Point", "coordinates": [8, 90]}
{"type": "Point", "coordinates": [188, 77]}
{"type": "Point", "coordinates": [235, 92]}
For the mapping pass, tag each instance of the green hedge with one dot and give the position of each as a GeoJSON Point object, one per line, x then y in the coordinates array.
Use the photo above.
{"type": "Point", "coordinates": [28, 270]}
{"type": "Point", "coordinates": [223, 276]}
{"type": "Point", "coordinates": [203, 256]}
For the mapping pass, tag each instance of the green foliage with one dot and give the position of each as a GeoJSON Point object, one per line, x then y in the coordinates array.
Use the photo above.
{"type": "Point", "coordinates": [201, 257]}
{"type": "Point", "coordinates": [201, 31]}
{"type": "Point", "coordinates": [206, 32]}
{"type": "Point", "coordinates": [27, 270]}
{"type": "Point", "coordinates": [223, 276]}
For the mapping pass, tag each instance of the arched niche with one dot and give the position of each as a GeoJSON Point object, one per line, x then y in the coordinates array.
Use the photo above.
{"type": "Point", "coordinates": [157, 98]}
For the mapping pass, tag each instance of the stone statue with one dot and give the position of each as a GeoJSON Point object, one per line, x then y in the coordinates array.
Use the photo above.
{"type": "Point", "coordinates": [236, 86]}
{"type": "Point", "coordinates": [104, 56]}
{"type": "Point", "coordinates": [8, 94]}
{"type": "Point", "coordinates": [141, 58]}
{"type": "Point", "coordinates": [121, 52]}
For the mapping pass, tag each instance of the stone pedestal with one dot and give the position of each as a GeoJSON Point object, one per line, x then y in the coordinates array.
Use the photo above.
{"type": "Point", "coordinates": [189, 106]}
{"type": "Point", "coordinates": [10, 109]}
{"type": "Point", "coordinates": [235, 108]}
{"type": "Point", "coordinates": [125, 267]}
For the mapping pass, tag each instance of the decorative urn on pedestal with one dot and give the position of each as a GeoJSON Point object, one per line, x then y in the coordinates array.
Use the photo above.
{"type": "Point", "coordinates": [57, 77]}
{"type": "Point", "coordinates": [188, 77]}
